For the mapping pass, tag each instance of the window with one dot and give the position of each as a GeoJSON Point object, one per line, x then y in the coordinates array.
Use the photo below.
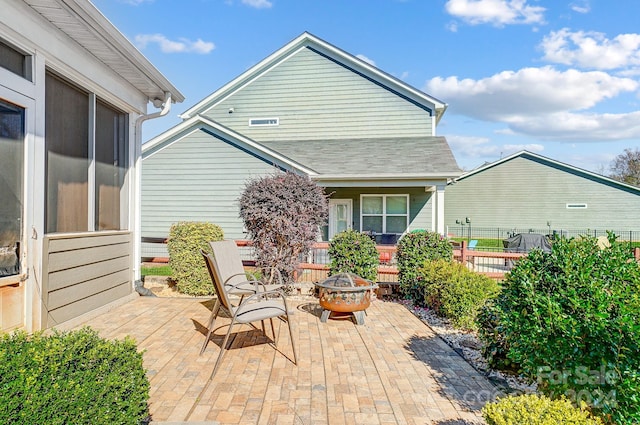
{"type": "Point", "coordinates": [576, 206]}
{"type": "Point", "coordinates": [111, 165]}
{"type": "Point", "coordinates": [15, 61]}
{"type": "Point", "coordinates": [70, 154]}
{"type": "Point", "coordinates": [12, 131]}
{"type": "Point", "coordinates": [264, 122]}
{"type": "Point", "coordinates": [384, 213]}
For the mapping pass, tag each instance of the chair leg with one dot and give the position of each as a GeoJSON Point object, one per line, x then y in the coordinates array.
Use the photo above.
{"type": "Point", "coordinates": [223, 348]}
{"type": "Point", "coordinates": [273, 331]}
{"type": "Point", "coordinates": [293, 345]}
{"type": "Point", "coordinates": [212, 321]}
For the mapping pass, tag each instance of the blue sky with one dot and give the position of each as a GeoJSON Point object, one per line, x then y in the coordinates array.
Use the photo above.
{"type": "Point", "coordinates": [555, 77]}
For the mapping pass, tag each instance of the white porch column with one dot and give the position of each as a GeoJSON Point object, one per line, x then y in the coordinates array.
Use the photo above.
{"type": "Point", "coordinates": [439, 213]}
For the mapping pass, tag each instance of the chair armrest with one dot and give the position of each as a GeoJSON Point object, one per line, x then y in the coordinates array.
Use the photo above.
{"type": "Point", "coordinates": [255, 282]}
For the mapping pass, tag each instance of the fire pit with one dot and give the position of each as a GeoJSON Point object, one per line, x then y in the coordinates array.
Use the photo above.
{"type": "Point", "coordinates": [345, 293]}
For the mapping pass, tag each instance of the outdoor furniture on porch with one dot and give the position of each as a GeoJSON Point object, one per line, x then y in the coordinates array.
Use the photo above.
{"type": "Point", "coordinates": [260, 306]}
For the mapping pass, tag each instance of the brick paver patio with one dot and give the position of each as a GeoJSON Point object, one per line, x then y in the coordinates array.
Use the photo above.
{"type": "Point", "coordinates": [391, 370]}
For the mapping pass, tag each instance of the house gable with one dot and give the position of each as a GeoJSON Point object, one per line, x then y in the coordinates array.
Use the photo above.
{"type": "Point", "coordinates": [198, 178]}
{"type": "Point", "coordinates": [527, 190]}
{"type": "Point", "coordinates": [317, 91]}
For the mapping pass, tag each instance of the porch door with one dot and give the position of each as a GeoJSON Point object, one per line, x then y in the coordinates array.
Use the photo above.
{"type": "Point", "coordinates": [340, 216]}
{"type": "Point", "coordinates": [14, 113]}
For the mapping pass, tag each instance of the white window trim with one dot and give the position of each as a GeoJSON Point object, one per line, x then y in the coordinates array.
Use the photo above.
{"type": "Point", "coordinates": [275, 123]}
{"type": "Point", "coordinates": [384, 209]}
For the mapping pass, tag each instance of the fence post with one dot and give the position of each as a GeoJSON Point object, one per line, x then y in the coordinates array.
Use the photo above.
{"type": "Point", "coordinates": [463, 251]}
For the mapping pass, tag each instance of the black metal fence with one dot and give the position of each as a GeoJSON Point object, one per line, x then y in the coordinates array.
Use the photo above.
{"type": "Point", "coordinates": [469, 232]}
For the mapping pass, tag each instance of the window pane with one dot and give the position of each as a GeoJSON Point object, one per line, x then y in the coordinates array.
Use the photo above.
{"type": "Point", "coordinates": [396, 224]}
{"type": "Point", "coordinates": [12, 60]}
{"type": "Point", "coordinates": [67, 156]}
{"type": "Point", "coordinates": [11, 168]}
{"type": "Point", "coordinates": [372, 224]}
{"type": "Point", "coordinates": [396, 204]}
{"type": "Point", "coordinates": [111, 162]}
{"type": "Point", "coordinates": [372, 205]}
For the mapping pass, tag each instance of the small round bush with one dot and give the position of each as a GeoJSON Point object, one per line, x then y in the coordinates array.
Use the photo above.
{"type": "Point", "coordinates": [413, 250]}
{"type": "Point", "coordinates": [71, 377]}
{"type": "Point", "coordinates": [455, 292]}
{"type": "Point", "coordinates": [536, 410]}
{"type": "Point", "coordinates": [354, 252]}
{"type": "Point", "coordinates": [189, 271]}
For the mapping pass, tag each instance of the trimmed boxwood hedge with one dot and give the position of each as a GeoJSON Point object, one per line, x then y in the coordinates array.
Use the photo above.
{"type": "Point", "coordinates": [71, 377]}
{"type": "Point", "coordinates": [186, 239]}
{"type": "Point", "coordinates": [354, 252]}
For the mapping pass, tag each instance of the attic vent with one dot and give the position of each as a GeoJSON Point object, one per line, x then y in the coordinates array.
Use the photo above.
{"type": "Point", "coordinates": [262, 122]}
{"type": "Point", "coordinates": [576, 206]}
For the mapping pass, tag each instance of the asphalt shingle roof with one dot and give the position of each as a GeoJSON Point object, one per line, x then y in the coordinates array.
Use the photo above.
{"type": "Point", "coordinates": [380, 156]}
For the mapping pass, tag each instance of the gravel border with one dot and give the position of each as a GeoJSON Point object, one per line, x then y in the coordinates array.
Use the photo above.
{"type": "Point", "coordinates": [469, 346]}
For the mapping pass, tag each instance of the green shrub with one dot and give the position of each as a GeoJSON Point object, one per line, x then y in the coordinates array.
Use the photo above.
{"type": "Point", "coordinates": [536, 410]}
{"type": "Point", "coordinates": [188, 268]}
{"type": "Point", "coordinates": [413, 250]}
{"type": "Point", "coordinates": [354, 252]}
{"type": "Point", "coordinates": [71, 378]}
{"type": "Point", "coordinates": [455, 292]}
{"type": "Point", "coordinates": [571, 320]}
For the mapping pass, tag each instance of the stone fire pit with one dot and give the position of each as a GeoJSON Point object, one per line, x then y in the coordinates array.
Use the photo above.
{"type": "Point", "coordinates": [345, 293]}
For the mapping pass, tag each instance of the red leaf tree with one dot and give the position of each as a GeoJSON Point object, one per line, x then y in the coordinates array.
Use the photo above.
{"type": "Point", "coordinates": [283, 213]}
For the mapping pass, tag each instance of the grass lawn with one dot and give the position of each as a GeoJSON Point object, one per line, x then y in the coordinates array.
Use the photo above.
{"type": "Point", "coordinates": [155, 270]}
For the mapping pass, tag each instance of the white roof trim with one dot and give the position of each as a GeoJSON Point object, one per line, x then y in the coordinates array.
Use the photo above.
{"type": "Point", "coordinates": [199, 120]}
{"type": "Point", "coordinates": [551, 161]}
{"type": "Point", "coordinates": [85, 24]}
{"type": "Point", "coordinates": [304, 40]}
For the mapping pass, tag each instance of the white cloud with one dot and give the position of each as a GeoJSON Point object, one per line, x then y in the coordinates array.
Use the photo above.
{"type": "Point", "coordinates": [183, 45]}
{"type": "Point", "coordinates": [567, 126]}
{"type": "Point", "coordinates": [581, 6]}
{"type": "Point", "coordinates": [366, 59]}
{"type": "Point", "coordinates": [495, 12]}
{"type": "Point", "coordinates": [591, 49]}
{"type": "Point", "coordinates": [543, 102]}
{"type": "Point", "coordinates": [516, 95]}
{"type": "Point", "coordinates": [258, 4]}
{"type": "Point", "coordinates": [481, 147]}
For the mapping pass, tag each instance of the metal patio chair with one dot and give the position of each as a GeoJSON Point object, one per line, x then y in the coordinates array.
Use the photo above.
{"type": "Point", "coordinates": [259, 306]}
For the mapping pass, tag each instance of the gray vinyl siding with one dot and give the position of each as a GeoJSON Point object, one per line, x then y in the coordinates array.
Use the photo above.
{"type": "Point", "coordinates": [526, 193]}
{"type": "Point", "coordinates": [82, 272]}
{"type": "Point", "coordinates": [197, 178]}
{"type": "Point", "coordinates": [420, 203]}
{"type": "Point", "coordinates": [316, 98]}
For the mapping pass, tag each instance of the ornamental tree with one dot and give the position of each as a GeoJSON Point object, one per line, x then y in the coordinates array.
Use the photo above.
{"type": "Point", "coordinates": [282, 214]}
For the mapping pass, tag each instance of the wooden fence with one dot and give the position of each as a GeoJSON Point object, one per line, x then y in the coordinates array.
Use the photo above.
{"type": "Point", "coordinates": [316, 267]}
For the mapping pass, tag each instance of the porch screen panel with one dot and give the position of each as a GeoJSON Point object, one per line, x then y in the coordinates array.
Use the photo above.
{"type": "Point", "coordinates": [111, 163]}
{"type": "Point", "coordinates": [67, 156]}
{"type": "Point", "coordinates": [11, 186]}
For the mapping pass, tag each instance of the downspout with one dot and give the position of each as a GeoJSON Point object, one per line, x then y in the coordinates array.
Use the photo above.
{"type": "Point", "coordinates": [137, 236]}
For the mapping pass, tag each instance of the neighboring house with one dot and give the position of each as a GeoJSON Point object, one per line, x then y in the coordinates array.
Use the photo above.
{"type": "Point", "coordinates": [311, 108]}
{"type": "Point", "coordinates": [526, 190]}
{"type": "Point", "coordinates": [73, 96]}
